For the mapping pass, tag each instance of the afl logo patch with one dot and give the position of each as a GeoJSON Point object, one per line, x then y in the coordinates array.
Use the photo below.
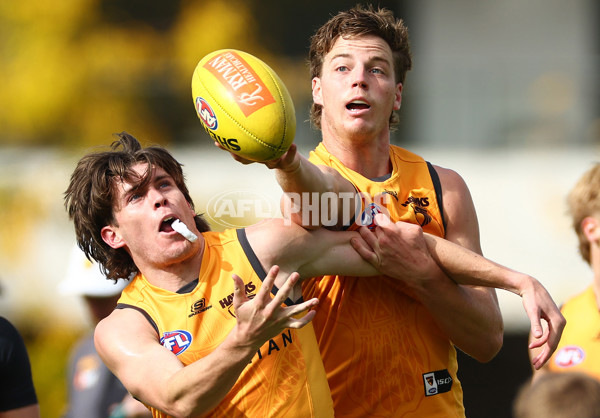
{"type": "Point", "coordinates": [206, 114]}
{"type": "Point", "coordinates": [176, 341]}
{"type": "Point", "coordinates": [569, 356]}
{"type": "Point", "coordinates": [367, 218]}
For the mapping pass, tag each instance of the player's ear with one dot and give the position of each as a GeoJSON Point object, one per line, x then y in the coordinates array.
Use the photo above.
{"type": "Point", "coordinates": [191, 209]}
{"type": "Point", "coordinates": [111, 236]}
{"type": "Point", "coordinates": [316, 91]}
{"type": "Point", "coordinates": [591, 228]}
{"type": "Point", "coordinates": [398, 97]}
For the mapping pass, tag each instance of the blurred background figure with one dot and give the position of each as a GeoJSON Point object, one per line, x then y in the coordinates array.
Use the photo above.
{"type": "Point", "coordinates": [94, 392]}
{"type": "Point", "coordinates": [17, 393]}
{"type": "Point", "coordinates": [578, 349]}
{"type": "Point", "coordinates": [559, 395]}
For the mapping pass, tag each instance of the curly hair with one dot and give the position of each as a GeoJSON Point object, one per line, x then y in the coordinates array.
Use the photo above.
{"type": "Point", "coordinates": [90, 197]}
{"type": "Point", "coordinates": [356, 22]}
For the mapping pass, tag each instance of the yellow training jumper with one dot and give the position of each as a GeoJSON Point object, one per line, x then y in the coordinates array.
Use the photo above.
{"type": "Point", "coordinates": [579, 346]}
{"type": "Point", "coordinates": [383, 352]}
{"type": "Point", "coordinates": [286, 376]}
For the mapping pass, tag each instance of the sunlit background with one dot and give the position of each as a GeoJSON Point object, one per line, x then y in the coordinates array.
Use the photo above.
{"type": "Point", "coordinates": [504, 92]}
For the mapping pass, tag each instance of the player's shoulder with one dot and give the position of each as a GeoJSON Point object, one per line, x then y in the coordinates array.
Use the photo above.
{"type": "Point", "coordinates": [122, 324]}
{"type": "Point", "coordinates": [449, 177]}
{"type": "Point", "coordinates": [405, 155]}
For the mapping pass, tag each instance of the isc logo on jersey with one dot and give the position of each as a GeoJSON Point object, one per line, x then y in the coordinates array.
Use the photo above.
{"type": "Point", "coordinates": [206, 114]}
{"type": "Point", "coordinates": [176, 341]}
{"type": "Point", "coordinates": [569, 356]}
{"type": "Point", "coordinates": [437, 382]}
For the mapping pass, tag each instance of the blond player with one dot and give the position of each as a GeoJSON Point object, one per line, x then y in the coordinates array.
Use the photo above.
{"type": "Point", "coordinates": [388, 346]}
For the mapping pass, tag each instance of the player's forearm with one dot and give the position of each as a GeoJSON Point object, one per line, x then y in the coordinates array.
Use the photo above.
{"type": "Point", "coordinates": [472, 320]}
{"type": "Point", "coordinates": [302, 176]}
{"type": "Point", "coordinates": [199, 387]}
{"type": "Point", "coordinates": [469, 268]}
{"type": "Point", "coordinates": [314, 195]}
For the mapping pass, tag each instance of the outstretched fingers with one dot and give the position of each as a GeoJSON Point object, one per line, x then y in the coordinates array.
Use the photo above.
{"type": "Point", "coordinates": [239, 295]}
{"type": "Point", "coordinates": [290, 312]}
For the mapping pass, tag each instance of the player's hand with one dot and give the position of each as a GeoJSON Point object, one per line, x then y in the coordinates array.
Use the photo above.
{"type": "Point", "coordinates": [539, 305]}
{"type": "Point", "coordinates": [263, 317]}
{"type": "Point", "coordinates": [287, 162]}
{"type": "Point", "coordinates": [397, 250]}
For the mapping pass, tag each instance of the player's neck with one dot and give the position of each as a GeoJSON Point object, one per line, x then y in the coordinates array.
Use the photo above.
{"type": "Point", "coordinates": [369, 158]}
{"type": "Point", "coordinates": [175, 274]}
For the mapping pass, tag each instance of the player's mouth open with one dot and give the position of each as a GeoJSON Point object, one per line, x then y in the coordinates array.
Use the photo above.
{"type": "Point", "coordinates": [166, 225]}
{"type": "Point", "coordinates": [357, 105]}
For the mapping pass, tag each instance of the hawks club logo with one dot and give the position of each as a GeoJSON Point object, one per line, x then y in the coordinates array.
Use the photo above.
{"type": "Point", "coordinates": [206, 114]}
{"type": "Point", "coordinates": [569, 356]}
{"type": "Point", "coordinates": [418, 205]}
{"type": "Point", "coordinates": [176, 341]}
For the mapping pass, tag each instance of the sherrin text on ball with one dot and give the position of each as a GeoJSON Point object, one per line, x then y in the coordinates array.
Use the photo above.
{"type": "Point", "coordinates": [243, 105]}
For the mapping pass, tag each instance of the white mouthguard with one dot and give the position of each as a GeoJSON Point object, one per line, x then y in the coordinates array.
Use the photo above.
{"type": "Point", "coordinates": [182, 229]}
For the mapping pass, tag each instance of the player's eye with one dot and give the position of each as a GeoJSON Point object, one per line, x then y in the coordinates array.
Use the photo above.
{"type": "Point", "coordinates": [134, 196]}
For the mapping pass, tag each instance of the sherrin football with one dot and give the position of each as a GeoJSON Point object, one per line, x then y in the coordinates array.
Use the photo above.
{"type": "Point", "coordinates": [243, 105]}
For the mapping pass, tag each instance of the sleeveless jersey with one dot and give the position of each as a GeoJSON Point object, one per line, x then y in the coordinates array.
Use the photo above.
{"type": "Point", "coordinates": [286, 376]}
{"type": "Point", "coordinates": [383, 352]}
{"type": "Point", "coordinates": [579, 346]}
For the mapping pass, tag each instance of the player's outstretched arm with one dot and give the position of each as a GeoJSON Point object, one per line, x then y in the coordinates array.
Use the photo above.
{"type": "Point", "coordinates": [381, 249]}
{"type": "Point", "coordinates": [129, 346]}
{"type": "Point", "coordinates": [313, 195]}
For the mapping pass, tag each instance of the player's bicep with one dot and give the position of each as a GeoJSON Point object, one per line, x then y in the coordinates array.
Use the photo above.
{"type": "Point", "coordinates": [462, 226]}
{"type": "Point", "coordinates": [128, 345]}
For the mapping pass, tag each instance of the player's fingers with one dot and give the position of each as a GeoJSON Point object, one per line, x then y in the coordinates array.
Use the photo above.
{"type": "Point", "coordinates": [300, 322]}
{"type": "Point", "coordinates": [541, 359]}
{"type": "Point", "coordinates": [298, 308]}
{"type": "Point", "coordinates": [382, 220]}
{"type": "Point", "coordinates": [555, 329]}
{"type": "Point", "coordinates": [533, 311]}
{"type": "Point", "coordinates": [537, 330]}
{"type": "Point", "coordinates": [239, 296]}
{"type": "Point", "coordinates": [364, 250]}
{"type": "Point", "coordinates": [539, 341]}
{"type": "Point", "coordinates": [384, 228]}
{"type": "Point", "coordinates": [264, 294]}
{"type": "Point", "coordinates": [369, 238]}
{"type": "Point", "coordinates": [286, 289]}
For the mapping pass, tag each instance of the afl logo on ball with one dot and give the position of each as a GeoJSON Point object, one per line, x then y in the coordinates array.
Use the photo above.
{"type": "Point", "coordinates": [206, 114]}
{"type": "Point", "coordinates": [569, 356]}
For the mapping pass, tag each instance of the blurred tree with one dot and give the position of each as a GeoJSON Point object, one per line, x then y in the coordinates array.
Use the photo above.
{"type": "Point", "coordinates": [75, 72]}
